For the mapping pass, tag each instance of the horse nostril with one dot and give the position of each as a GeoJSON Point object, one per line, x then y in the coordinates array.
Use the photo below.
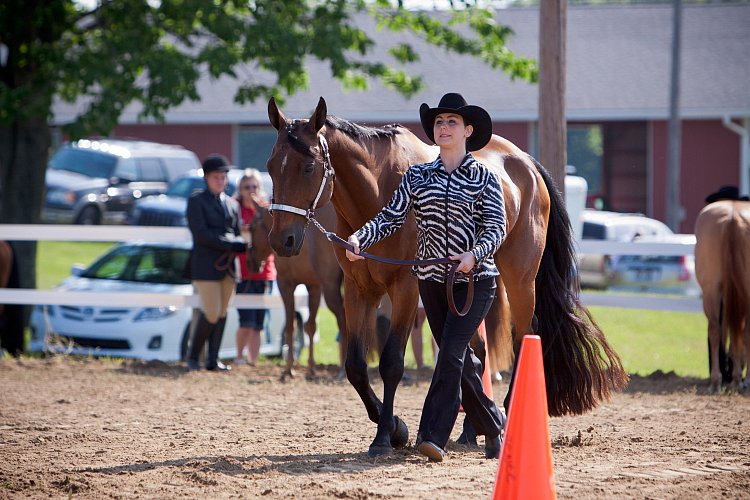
{"type": "Point", "coordinates": [289, 242]}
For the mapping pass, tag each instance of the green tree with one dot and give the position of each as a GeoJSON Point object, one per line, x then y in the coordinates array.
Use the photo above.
{"type": "Point", "coordinates": [106, 55]}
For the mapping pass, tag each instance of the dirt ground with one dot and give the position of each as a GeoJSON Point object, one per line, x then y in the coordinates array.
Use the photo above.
{"type": "Point", "coordinates": [87, 428]}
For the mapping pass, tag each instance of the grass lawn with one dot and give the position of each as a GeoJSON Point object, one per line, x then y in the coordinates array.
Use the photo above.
{"type": "Point", "coordinates": [55, 258]}
{"type": "Point", "coordinates": [645, 340]}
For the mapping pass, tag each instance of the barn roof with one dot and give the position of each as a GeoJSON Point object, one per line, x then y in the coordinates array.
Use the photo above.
{"type": "Point", "coordinates": [618, 68]}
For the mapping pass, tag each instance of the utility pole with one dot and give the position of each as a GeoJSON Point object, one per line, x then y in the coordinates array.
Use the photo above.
{"type": "Point", "coordinates": [552, 124]}
{"type": "Point", "coordinates": [675, 212]}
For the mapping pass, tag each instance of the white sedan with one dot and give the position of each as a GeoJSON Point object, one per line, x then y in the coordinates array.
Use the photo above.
{"type": "Point", "coordinates": [149, 333]}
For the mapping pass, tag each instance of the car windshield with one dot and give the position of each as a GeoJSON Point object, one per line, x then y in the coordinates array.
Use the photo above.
{"type": "Point", "coordinates": [141, 264]}
{"type": "Point", "coordinates": [85, 162]}
{"type": "Point", "coordinates": [183, 188]}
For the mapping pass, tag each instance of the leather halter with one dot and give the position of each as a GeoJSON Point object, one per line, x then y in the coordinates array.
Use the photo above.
{"type": "Point", "coordinates": [309, 215]}
{"type": "Point", "coordinates": [327, 172]}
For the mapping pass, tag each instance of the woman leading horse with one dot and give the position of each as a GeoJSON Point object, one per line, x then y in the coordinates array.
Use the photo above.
{"type": "Point", "coordinates": [358, 169]}
{"type": "Point", "coordinates": [458, 204]}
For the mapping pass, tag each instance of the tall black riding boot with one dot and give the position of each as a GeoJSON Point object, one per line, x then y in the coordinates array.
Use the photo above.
{"type": "Point", "coordinates": [203, 330]}
{"type": "Point", "coordinates": [214, 343]}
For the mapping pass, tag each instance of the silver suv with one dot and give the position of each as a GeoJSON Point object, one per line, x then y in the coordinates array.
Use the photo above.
{"type": "Point", "coordinates": [98, 181]}
{"type": "Point", "coordinates": [595, 270]}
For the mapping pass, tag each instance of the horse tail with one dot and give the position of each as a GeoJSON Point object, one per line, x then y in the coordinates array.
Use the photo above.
{"type": "Point", "coordinates": [581, 369]}
{"type": "Point", "coordinates": [734, 293]}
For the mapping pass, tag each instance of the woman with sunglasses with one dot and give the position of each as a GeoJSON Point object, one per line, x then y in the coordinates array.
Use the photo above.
{"type": "Point", "coordinates": [252, 321]}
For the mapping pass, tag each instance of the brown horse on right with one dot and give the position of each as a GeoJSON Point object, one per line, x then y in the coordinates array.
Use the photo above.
{"type": "Point", "coordinates": [357, 169]}
{"type": "Point", "coordinates": [722, 267]}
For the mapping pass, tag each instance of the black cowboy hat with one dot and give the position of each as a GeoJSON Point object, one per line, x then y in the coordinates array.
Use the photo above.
{"type": "Point", "coordinates": [473, 115]}
{"type": "Point", "coordinates": [215, 163]}
{"type": "Point", "coordinates": [726, 193]}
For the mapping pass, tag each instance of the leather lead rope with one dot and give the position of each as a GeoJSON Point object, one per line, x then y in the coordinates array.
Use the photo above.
{"type": "Point", "coordinates": [333, 238]}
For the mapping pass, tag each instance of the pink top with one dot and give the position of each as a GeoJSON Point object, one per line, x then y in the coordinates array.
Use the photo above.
{"type": "Point", "coordinates": [268, 271]}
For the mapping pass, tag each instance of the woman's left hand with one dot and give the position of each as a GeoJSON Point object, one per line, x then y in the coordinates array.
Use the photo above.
{"type": "Point", "coordinates": [468, 261]}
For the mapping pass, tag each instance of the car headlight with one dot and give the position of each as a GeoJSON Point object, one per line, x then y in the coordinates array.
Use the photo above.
{"type": "Point", "coordinates": [155, 313]}
{"type": "Point", "coordinates": [61, 197]}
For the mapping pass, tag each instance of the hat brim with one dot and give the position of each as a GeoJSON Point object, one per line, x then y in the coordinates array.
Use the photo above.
{"type": "Point", "coordinates": [222, 168]}
{"type": "Point", "coordinates": [724, 193]}
{"type": "Point", "coordinates": [475, 116]}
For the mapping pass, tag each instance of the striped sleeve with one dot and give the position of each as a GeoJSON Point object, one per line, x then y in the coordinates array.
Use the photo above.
{"type": "Point", "coordinates": [492, 231]}
{"type": "Point", "coordinates": [389, 219]}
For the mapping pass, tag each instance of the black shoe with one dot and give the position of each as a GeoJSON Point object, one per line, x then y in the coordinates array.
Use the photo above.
{"type": "Point", "coordinates": [492, 446]}
{"type": "Point", "coordinates": [214, 343]}
{"type": "Point", "coordinates": [468, 435]}
{"type": "Point", "coordinates": [202, 331]}
{"type": "Point", "coordinates": [432, 451]}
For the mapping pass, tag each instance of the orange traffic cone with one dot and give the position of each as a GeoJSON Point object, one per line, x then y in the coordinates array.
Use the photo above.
{"type": "Point", "coordinates": [525, 469]}
{"type": "Point", "coordinates": [487, 375]}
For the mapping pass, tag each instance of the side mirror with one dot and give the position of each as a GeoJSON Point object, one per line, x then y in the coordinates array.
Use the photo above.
{"type": "Point", "coordinates": [77, 269]}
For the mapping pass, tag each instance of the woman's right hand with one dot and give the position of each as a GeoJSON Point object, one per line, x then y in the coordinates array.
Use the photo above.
{"type": "Point", "coordinates": [354, 242]}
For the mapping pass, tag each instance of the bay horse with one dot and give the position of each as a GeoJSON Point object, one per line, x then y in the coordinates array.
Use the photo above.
{"type": "Point", "coordinates": [722, 267]}
{"type": "Point", "coordinates": [357, 169]}
{"type": "Point", "coordinates": [315, 267]}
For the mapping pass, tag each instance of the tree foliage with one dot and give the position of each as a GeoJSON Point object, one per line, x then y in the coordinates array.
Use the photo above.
{"type": "Point", "coordinates": [153, 53]}
{"type": "Point", "coordinates": [109, 54]}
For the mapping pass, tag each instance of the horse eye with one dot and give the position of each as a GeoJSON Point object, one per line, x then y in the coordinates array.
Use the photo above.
{"type": "Point", "coordinates": [309, 167]}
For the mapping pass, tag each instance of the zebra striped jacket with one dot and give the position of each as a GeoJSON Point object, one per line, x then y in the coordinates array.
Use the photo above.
{"type": "Point", "coordinates": [456, 212]}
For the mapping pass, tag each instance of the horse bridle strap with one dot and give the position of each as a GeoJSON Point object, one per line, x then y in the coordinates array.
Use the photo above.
{"type": "Point", "coordinates": [333, 238]}
{"type": "Point", "coordinates": [327, 172]}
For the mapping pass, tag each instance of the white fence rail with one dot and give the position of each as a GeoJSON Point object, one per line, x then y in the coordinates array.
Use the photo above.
{"type": "Point", "coordinates": [57, 232]}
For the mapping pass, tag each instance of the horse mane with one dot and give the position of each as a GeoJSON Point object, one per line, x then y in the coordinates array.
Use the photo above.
{"type": "Point", "coordinates": [353, 130]}
{"type": "Point", "coordinates": [357, 131]}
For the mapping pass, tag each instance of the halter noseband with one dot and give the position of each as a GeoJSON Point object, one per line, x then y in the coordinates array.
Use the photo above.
{"type": "Point", "coordinates": [327, 172]}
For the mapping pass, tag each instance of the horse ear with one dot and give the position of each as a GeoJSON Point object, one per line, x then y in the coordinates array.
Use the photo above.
{"type": "Point", "coordinates": [275, 115]}
{"type": "Point", "coordinates": [318, 118]}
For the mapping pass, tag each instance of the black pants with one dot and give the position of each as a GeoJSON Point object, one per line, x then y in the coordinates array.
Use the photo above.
{"type": "Point", "coordinates": [457, 378]}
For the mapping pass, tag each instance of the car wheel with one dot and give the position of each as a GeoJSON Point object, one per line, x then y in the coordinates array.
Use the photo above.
{"type": "Point", "coordinates": [89, 216]}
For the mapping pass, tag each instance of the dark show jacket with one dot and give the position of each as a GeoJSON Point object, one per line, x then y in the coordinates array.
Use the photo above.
{"type": "Point", "coordinates": [214, 222]}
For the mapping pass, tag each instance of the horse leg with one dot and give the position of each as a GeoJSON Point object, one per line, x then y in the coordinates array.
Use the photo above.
{"type": "Point", "coordinates": [286, 289]}
{"type": "Point", "coordinates": [737, 354]}
{"type": "Point", "coordinates": [392, 431]}
{"type": "Point", "coordinates": [521, 299]}
{"type": "Point", "coordinates": [360, 331]}
{"type": "Point", "coordinates": [311, 325]}
{"type": "Point", "coordinates": [335, 303]}
{"type": "Point", "coordinates": [712, 308]}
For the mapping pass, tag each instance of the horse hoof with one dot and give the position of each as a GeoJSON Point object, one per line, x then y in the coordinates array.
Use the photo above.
{"type": "Point", "coordinates": [379, 451]}
{"type": "Point", "coordinates": [287, 374]}
{"type": "Point", "coordinates": [400, 435]}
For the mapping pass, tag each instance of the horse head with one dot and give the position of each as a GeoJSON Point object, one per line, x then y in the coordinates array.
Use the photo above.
{"type": "Point", "coordinates": [302, 176]}
{"type": "Point", "coordinates": [261, 246]}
